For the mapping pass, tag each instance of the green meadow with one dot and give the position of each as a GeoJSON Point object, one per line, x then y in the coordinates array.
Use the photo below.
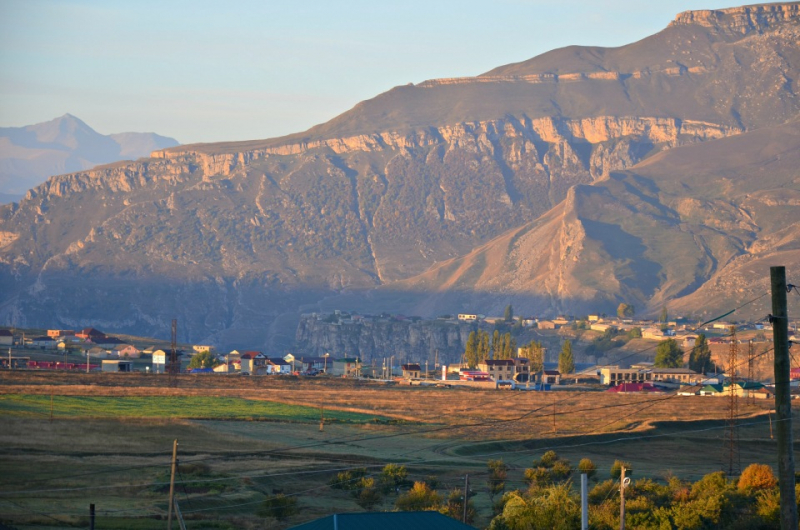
{"type": "Point", "coordinates": [178, 407]}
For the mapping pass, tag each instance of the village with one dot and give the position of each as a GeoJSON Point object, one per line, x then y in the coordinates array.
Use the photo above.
{"type": "Point", "coordinates": [91, 350]}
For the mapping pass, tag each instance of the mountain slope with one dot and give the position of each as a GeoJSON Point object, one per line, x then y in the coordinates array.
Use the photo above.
{"type": "Point", "coordinates": [694, 228]}
{"type": "Point", "coordinates": [237, 238]}
{"type": "Point", "coordinates": [28, 155]}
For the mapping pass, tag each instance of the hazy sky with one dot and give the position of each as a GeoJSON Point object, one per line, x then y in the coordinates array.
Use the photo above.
{"type": "Point", "coordinates": [203, 71]}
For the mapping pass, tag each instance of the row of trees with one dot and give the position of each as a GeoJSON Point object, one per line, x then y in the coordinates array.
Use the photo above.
{"type": "Point", "coordinates": [550, 498]}
{"type": "Point", "coordinates": [670, 355]}
{"type": "Point", "coordinates": [552, 502]}
{"type": "Point", "coordinates": [505, 347]}
{"type": "Point", "coordinates": [480, 347]}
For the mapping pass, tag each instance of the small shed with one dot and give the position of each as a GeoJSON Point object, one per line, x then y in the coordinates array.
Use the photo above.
{"type": "Point", "coordinates": [117, 366]}
{"type": "Point", "coordinates": [411, 371]}
{"type": "Point", "coordinates": [551, 377]}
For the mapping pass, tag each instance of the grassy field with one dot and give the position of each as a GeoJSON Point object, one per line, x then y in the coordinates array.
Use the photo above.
{"type": "Point", "coordinates": [177, 407]}
{"type": "Point", "coordinates": [241, 439]}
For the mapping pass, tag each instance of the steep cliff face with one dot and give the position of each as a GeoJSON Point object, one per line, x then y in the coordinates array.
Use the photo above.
{"type": "Point", "coordinates": [741, 19]}
{"type": "Point", "coordinates": [376, 338]}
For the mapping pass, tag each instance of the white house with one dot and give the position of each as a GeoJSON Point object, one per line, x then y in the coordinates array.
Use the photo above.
{"type": "Point", "coordinates": [6, 337]}
{"type": "Point", "coordinates": [276, 365]}
{"type": "Point", "coordinates": [44, 343]}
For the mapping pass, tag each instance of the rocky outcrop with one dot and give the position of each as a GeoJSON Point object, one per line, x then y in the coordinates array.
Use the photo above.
{"type": "Point", "coordinates": [550, 130]}
{"type": "Point", "coordinates": [743, 19]}
{"type": "Point", "coordinates": [374, 338]}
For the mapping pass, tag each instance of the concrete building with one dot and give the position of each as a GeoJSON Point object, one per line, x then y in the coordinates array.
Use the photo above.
{"type": "Point", "coordinates": [117, 366]}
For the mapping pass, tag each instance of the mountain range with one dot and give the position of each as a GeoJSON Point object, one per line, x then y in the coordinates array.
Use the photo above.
{"type": "Point", "coordinates": [31, 154]}
{"type": "Point", "coordinates": [661, 173]}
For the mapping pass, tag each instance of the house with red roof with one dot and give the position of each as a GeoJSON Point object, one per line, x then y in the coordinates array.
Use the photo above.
{"type": "Point", "coordinates": [623, 388]}
{"type": "Point", "coordinates": [253, 362]}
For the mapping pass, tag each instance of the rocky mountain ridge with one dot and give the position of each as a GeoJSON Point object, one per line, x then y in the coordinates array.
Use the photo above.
{"type": "Point", "coordinates": [28, 155]}
{"type": "Point", "coordinates": [440, 195]}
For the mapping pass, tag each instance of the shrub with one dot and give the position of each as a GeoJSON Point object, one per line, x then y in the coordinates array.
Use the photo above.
{"type": "Point", "coordinates": [757, 477]}
{"type": "Point", "coordinates": [588, 467]}
{"type": "Point", "coordinates": [418, 498]}
{"type": "Point", "coordinates": [278, 506]}
{"type": "Point", "coordinates": [616, 469]}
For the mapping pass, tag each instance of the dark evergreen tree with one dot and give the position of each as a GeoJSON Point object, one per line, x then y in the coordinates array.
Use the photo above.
{"type": "Point", "coordinates": [566, 362]}
{"type": "Point", "coordinates": [669, 355]}
{"type": "Point", "coordinates": [700, 358]}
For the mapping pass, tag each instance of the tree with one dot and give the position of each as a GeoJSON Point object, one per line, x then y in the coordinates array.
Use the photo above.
{"type": "Point", "coordinates": [203, 360]}
{"type": "Point", "coordinates": [635, 333]}
{"type": "Point", "coordinates": [700, 358]}
{"type": "Point", "coordinates": [367, 498]}
{"type": "Point", "coordinates": [278, 506]}
{"type": "Point", "coordinates": [509, 346]}
{"type": "Point", "coordinates": [471, 350]}
{"type": "Point", "coordinates": [498, 472]}
{"type": "Point", "coordinates": [496, 344]}
{"type": "Point", "coordinates": [508, 316]}
{"type": "Point", "coordinates": [484, 347]}
{"type": "Point", "coordinates": [418, 498]}
{"type": "Point", "coordinates": [625, 310]}
{"type": "Point", "coordinates": [616, 469]}
{"type": "Point", "coordinates": [669, 355]}
{"type": "Point", "coordinates": [566, 362]}
{"type": "Point", "coordinates": [454, 507]}
{"type": "Point", "coordinates": [392, 477]}
{"type": "Point", "coordinates": [757, 477]}
{"type": "Point", "coordinates": [534, 351]}
{"type": "Point", "coordinates": [588, 467]}
{"type": "Point", "coordinates": [664, 316]}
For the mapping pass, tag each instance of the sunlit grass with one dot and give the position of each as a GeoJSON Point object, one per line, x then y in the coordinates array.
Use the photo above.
{"type": "Point", "coordinates": [185, 407]}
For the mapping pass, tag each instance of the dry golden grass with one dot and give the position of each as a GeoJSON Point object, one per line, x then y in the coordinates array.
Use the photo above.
{"type": "Point", "coordinates": [472, 414]}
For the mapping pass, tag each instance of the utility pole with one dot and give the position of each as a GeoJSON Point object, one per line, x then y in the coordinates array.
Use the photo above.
{"type": "Point", "coordinates": [91, 517]}
{"type": "Point", "coordinates": [750, 360]}
{"type": "Point", "coordinates": [322, 418]}
{"type": "Point", "coordinates": [783, 406]}
{"type": "Point", "coordinates": [622, 498]}
{"type": "Point", "coordinates": [174, 366]}
{"type": "Point", "coordinates": [172, 483]}
{"type": "Point", "coordinates": [732, 431]}
{"type": "Point", "coordinates": [584, 501]}
{"type": "Point", "coordinates": [466, 497]}
{"type": "Point", "coordinates": [554, 414]}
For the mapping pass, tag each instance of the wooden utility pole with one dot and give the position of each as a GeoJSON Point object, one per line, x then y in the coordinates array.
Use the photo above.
{"type": "Point", "coordinates": [622, 498]}
{"type": "Point", "coordinates": [466, 498]}
{"type": "Point", "coordinates": [172, 484]}
{"type": "Point", "coordinates": [783, 406]}
{"type": "Point", "coordinates": [750, 368]}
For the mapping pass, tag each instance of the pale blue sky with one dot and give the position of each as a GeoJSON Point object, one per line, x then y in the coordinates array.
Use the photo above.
{"type": "Point", "coordinates": [205, 71]}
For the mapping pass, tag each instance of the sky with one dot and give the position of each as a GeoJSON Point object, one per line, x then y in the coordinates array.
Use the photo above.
{"type": "Point", "coordinates": [204, 71]}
